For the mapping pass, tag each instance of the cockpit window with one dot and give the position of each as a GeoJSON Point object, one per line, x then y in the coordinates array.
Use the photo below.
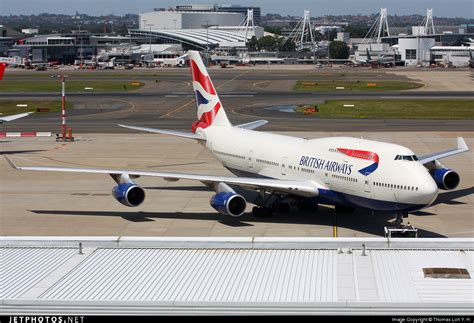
{"type": "Point", "coordinates": [406, 157]}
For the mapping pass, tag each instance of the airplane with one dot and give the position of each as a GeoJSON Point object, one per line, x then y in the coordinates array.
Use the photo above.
{"type": "Point", "coordinates": [271, 169]}
{"type": "Point", "coordinates": [13, 116]}
{"type": "Point", "coordinates": [380, 61]}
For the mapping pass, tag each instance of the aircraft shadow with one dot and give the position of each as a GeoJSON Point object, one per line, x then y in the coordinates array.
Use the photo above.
{"type": "Point", "coordinates": [449, 197]}
{"type": "Point", "coordinates": [14, 152]}
{"type": "Point", "coordinates": [358, 221]}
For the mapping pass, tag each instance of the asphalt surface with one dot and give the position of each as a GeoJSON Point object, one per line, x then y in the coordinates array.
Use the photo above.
{"type": "Point", "coordinates": [167, 101]}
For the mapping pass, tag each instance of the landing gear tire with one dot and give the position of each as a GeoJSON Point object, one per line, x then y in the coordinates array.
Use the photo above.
{"type": "Point", "coordinates": [344, 209]}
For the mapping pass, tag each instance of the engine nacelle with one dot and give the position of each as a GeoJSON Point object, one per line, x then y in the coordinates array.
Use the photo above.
{"type": "Point", "coordinates": [129, 194]}
{"type": "Point", "coordinates": [445, 178]}
{"type": "Point", "coordinates": [229, 203]}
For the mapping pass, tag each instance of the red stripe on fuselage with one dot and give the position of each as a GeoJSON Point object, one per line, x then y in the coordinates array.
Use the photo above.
{"type": "Point", "coordinates": [362, 154]}
{"type": "Point", "coordinates": [202, 79]}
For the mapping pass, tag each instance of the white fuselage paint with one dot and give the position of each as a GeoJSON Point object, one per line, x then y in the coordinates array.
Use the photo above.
{"type": "Point", "coordinates": [395, 184]}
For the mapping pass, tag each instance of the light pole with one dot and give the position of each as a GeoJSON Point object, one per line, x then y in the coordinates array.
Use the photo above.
{"type": "Point", "coordinates": [149, 25]}
{"type": "Point", "coordinates": [130, 48]}
{"type": "Point", "coordinates": [328, 46]}
{"type": "Point", "coordinates": [81, 57]}
{"type": "Point", "coordinates": [207, 42]}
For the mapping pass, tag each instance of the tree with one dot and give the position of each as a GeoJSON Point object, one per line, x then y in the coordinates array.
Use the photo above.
{"type": "Point", "coordinates": [273, 30]}
{"type": "Point", "coordinates": [338, 50]}
{"type": "Point", "coordinates": [288, 46]}
{"type": "Point", "coordinates": [268, 43]}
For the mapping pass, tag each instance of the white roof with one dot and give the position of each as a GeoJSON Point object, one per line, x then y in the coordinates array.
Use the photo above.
{"type": "Point", "coordinates": [453, 48]}
{"type": "Point", "coordinates": [116, 275]}
{"type": "Point", "coordinates": [201, 37]}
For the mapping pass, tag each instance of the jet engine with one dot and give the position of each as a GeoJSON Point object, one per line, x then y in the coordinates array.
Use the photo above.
{"type": "Point", "coordinates": [445, 178]}
{"type": "Point", "coordinates": [226, 201]}
{"type": "Point", "coordinates": [229, 203]}
{"type": "Point", "coordinates": [129, 194]}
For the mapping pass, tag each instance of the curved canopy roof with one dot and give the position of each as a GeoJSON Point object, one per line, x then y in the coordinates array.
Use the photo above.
{"type": "Point", "coordinates": [200, 38]}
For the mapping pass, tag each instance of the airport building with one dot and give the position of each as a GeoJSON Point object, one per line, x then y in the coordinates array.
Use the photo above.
{"type": "Point", "coordinates": [168, 19]}
{"type": "Point", "coordinates": [247, 275]}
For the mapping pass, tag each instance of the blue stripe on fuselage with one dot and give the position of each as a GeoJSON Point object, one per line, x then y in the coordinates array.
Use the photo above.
{"type": "Point", "coordinates": [369, 169]}
{"type": "Point", "coordinates": [331, 197]}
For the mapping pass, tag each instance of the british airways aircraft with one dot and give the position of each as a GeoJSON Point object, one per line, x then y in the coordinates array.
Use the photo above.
{"type": "Point", "coordinates": [12, 116]}
{"type": "Point", "coordinates": [342, 171]}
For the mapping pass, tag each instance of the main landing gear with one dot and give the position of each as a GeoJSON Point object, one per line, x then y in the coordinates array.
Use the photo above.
{"type": "Point", "coordinates": [265, 208]}
{"type": "Point", "coordinates": [267, 204]}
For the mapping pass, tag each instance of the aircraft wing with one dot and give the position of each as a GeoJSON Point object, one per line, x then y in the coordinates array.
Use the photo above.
{"type": "Point", "coordinates": [14, 117]}
{"type": "Point", "coordinates": [461, 148]}
{"type": "Point", "coordinates": [183, 134]}
{"type": "Point", "coordinates": [303, 188]}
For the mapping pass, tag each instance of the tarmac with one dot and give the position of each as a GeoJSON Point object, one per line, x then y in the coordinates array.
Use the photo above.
{"type": "Point", "coordinates": [57, 204]}
{"type": "Point", "coordinates": [47, 204]}
{"type": "Point", "coordinates": [167, 99]}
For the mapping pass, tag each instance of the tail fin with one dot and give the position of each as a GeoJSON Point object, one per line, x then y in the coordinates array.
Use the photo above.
{"type": "Point", "coordinates": [2, 70]}
{"type": "Point", "coordinates": [209, 106]}
{"type": "Point", "coordinates": [368, 55]}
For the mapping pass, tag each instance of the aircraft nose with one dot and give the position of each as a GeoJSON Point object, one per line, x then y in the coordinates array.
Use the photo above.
{"type": "Point", "coordinates": [428, 192]}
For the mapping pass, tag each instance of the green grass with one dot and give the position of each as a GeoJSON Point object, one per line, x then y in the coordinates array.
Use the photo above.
{"type": "Point", "coordinates": [355, 86]}
{"type": "Point", "coordinates": [10, 107]}
{"type": "Point", "coordinates": [395, 109]}
{"type": "Point", "coordinates": [71, 86]}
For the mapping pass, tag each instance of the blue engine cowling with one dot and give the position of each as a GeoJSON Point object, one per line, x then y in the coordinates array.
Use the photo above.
{"type": "Point", "coordinates": [229, 203]}
{"type": "Point", "coordinates": [445, 178]}
{"type": "Point", "coordinates": [129, 194]}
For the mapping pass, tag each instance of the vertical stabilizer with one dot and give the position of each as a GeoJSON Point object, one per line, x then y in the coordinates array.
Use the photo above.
{"type": "Point", "coordinates": [209, 106]}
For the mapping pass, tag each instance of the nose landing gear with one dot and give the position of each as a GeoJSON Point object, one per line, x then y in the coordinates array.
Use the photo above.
{"type": "Point", "coordinates": [400, 216]}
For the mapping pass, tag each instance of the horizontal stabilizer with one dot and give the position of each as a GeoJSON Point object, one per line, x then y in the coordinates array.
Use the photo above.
{"type": "Point", "coordinates": [176, 133]}
{"type": "Point", "coordinates": [252, 125]}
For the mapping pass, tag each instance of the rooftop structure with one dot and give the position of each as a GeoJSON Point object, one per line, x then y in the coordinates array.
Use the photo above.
{"type": "Point", "coordinates": [195, 38]}
{"type": "Point", "coordinates": [170, 19]}
{"type": "Point", "coordinates": [120, 275]}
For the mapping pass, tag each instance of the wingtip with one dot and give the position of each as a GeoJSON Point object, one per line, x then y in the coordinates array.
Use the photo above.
{"type": "Point", "coordinates": [462, 144]}
{"type": "Point", "coordinates": [12, 164]}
